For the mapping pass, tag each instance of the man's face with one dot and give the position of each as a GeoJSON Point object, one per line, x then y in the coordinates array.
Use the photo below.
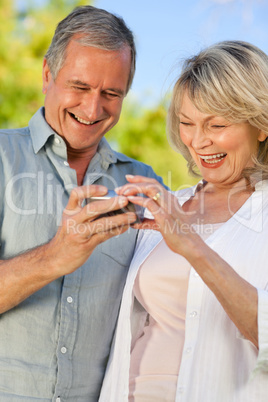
{"type": "Point", "coordinates": [85, 99]}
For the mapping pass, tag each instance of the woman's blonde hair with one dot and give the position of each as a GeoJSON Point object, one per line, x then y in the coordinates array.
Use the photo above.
{"type": "Point", "coordinates": [228, 79]}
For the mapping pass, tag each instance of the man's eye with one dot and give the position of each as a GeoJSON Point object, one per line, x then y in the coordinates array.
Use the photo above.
{"type": "Point", "coordinates": [112, 94]}
{"type": "Point", "coordinates": [80, 88]}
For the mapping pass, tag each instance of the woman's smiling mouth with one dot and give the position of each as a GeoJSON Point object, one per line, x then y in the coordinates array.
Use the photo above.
{"type": "Point", "coordinates": [212, 161]}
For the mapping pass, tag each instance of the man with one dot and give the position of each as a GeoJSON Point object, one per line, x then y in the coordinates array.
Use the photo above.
{"type": "Point", "coordinates": [61, 284]}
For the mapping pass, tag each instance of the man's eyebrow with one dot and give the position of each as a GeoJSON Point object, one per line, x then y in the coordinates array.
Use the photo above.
{"type": "Point", "coordinates": [116, 90]}
{"type": "Point", "coordinates": [78, 82]}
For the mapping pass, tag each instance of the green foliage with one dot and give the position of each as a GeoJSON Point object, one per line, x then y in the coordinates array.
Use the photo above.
{"type": "Point", "coordinates": [25, 32]}
{"type": "Point", "coordinates": [141, 134]}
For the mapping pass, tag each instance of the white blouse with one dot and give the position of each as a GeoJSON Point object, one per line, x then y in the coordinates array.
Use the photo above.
{"type": "Point", "coordinates": [218, 364]}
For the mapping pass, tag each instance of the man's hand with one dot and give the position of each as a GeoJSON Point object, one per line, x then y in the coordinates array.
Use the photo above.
{"type": "Point", "coordinates": [82, 229]}
{"type": "Point", "coordinates": [84, 226]}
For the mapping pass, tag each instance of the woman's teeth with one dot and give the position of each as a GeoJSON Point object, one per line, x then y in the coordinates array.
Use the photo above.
{"type": "Point", "coordinates": [213, 158]}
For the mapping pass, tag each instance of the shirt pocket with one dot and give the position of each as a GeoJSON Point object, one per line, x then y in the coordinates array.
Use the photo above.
{"type": "Point", "coordinates": [120, 248]}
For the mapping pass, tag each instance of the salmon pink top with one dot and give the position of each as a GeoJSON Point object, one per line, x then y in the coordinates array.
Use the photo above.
{"type": "Point", "coordinates": [161, 288]}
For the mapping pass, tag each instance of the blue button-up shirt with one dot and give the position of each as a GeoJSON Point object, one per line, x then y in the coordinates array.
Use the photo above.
{"type": "Point", "coordinates": [55, 344]}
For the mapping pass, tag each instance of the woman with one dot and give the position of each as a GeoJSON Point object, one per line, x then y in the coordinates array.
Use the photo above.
{"type": "Point", "coordinates": [193, 324]}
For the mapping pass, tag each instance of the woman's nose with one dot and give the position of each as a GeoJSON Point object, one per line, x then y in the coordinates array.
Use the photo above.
{"type": "Point", "coordinates": [201, 138]}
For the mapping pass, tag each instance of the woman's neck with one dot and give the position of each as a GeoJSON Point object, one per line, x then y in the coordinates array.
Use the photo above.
{"type": "Point", "coordinates": [213, 204]}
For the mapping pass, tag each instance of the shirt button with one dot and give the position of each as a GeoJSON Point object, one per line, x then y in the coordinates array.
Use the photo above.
{"type": "Point", "coordinates": [193, 314]}
{"type": "Point", "coordinates": [69, 299]}
{"type": "Point", "coordinates": [57, 141]}
{"type": "Point", "coordinates": [58, 399]}
{"type": "Point", "coordinates": [196, 275]}
{"type": "Point", "coordinates": [63, 350]}
{"type": "Point", "coordinates": [66, 163]}
{"type": "Point", "coordinates": [188, 350]}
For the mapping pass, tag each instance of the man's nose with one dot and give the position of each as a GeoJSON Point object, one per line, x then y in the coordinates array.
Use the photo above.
{"type": "Point", "coordinates": [93, 106]}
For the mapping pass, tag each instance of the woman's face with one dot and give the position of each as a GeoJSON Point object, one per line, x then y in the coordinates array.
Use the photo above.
{"type": "Point", "coordinates": [220, 149]}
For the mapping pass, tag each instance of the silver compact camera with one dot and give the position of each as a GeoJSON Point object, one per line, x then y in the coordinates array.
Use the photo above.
{"type": "Point", "coordinates": [130, 207]}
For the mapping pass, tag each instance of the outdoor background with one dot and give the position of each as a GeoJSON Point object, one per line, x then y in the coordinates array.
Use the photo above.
{"type": "Point", "coordinates": [166, 32]}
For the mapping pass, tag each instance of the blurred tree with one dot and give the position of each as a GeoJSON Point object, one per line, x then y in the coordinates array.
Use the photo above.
{"type": "Point", "coordinates": [26, 29]}
{"type": "Point", "coordinates": [141, 134]}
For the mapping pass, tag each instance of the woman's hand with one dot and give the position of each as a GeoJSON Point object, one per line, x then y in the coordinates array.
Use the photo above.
{"type": "Point", "coordinates": [168, 215]}
{"type": "Point", "coordinates": [238, 297]}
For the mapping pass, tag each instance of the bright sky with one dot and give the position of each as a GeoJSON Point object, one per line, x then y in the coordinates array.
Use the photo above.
{"type": "Point", "coordinates": [167, 31]}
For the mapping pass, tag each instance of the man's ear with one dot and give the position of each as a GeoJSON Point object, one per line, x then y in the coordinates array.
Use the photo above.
{"type": "Point", "coordinates": [46, 76]}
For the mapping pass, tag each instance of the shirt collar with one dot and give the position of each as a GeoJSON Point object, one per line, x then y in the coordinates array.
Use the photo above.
{"type": "Point", "coordinates": [108, 155]}
{"type": "Point", "coordinates": [40, 132]}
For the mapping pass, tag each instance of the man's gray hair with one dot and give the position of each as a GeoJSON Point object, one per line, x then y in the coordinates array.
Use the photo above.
{"type": "Point", "coordinates": [93, 27]}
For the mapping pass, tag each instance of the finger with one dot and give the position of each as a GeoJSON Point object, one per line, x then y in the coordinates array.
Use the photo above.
{"type": "Point", "coordinates": [78, 194]}
{"type": "Point", "coordinates": [96, 208]}
{"type": "Point", "coordinates": [164, 218]}
{"type": "Point", "coordinates": [111, 222]}
{"type": "Point", "coordinates": [148, 203]}
{"type": "Point", "coordinates": [136, 180]}
{"type": "Point", "coordinates": [160, 196]}
{"type": "Point", "coordinates": [103, 236]}
{"type": "Point", "coordinates": [148, 189]}
{"type": "Point", "coordinates": [140, 179]}
{"type": "Point", "coordinates": [87, 229]}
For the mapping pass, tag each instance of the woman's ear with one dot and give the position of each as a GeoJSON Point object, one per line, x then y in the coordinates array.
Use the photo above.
{"type": "Point", "coordinates": [262, 136]}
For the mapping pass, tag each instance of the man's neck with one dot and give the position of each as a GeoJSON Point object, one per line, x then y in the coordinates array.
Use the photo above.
{"type": "Point", "coordinates": [79, 161]}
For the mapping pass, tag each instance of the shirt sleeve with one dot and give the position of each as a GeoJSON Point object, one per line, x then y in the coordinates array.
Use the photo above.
{"type": "Point", "coordinates": [262, 361]}
{"type": "Point", "coordinates": [151, 173]}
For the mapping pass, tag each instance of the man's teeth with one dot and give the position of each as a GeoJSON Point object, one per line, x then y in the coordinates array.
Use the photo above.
{"type": "Point", "coordinates": [212, 158]}
{"type": "Point", "coordinates": [83, 121]}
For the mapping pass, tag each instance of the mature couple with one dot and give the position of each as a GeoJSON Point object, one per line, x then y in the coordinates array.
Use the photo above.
{"type": "Point", "coordinates": [187, 319]}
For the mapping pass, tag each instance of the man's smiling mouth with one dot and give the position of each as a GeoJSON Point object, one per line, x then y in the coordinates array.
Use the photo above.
{"type": "Point", "coordinates": [80, 120]}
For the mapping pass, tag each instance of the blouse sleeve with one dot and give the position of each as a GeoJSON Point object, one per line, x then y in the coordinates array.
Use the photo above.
{"type": "Point", "coordinates": [262, 362]}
